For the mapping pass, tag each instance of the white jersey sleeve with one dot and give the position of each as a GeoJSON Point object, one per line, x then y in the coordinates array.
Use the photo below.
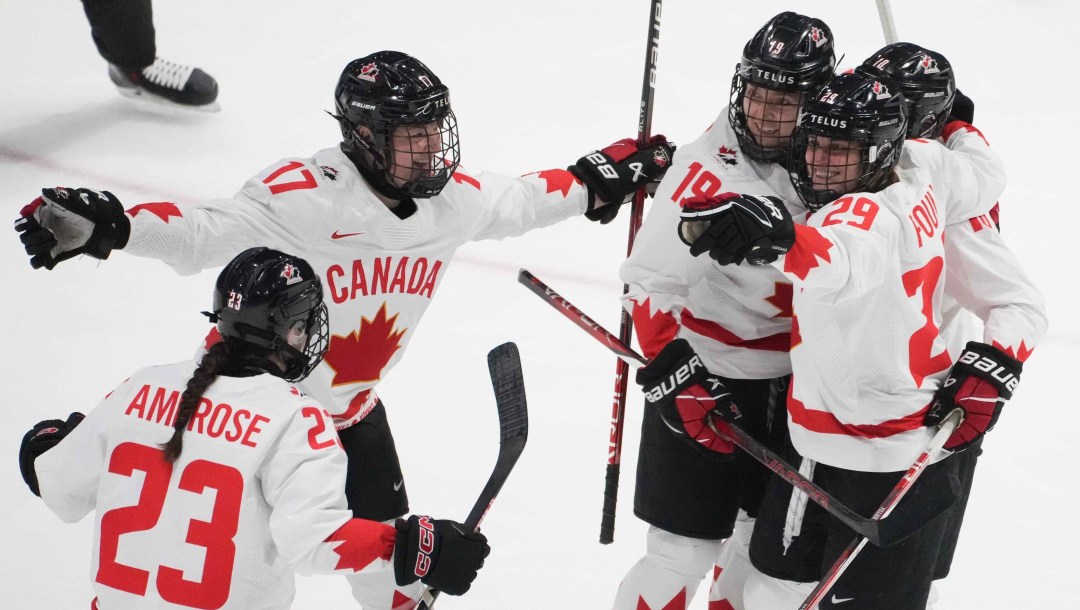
{"type": "Point", "coordinates": [985, 277]}
{"type": "Point", "coordinates": [303, 481]}
{"type": "Point", "coordinates": [971, 175]}
{"type": "Point", "coordinates": [495, 206]}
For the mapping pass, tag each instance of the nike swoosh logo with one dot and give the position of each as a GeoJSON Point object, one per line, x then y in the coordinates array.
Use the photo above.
{"type": "Point", "coordinates": [339, 235]}
{"type": "Point", "coordinates": [840, 600]}
{"type": "Point", "coordinates": [397, 486]}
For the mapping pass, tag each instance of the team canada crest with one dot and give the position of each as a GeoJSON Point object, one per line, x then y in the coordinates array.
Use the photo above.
{"type": "Point", "coordinates": [881, 92]}
{"type": "Point", "coordinates": [726, 156]}
{"type": "Point", "coordinates": [369, 72]}
{"type": "Point", "coordinates": [927, 65]}
{"type": "Point", "coordinates": [329, 172]}
{"type": "Point", "coordinates": [818, 37]}
{"type": "Point", "coordinates": [661, 157]}
{"type": "Point", "coordinates": [291, 275]}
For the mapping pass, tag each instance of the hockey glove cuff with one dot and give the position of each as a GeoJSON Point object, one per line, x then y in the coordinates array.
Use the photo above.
{"type": "Point", "coordinates": [440, 553]}
{"type": "Point", "coordinates": [734, 228]}
{"type": "Point", "coordinates": [980, 382]}
{"type": "Point", "coordinates": [42, 437]}
{"type": "Point", "coordinates": [64, 223]}
{"type": "Point", "coordinates": [613, 174]}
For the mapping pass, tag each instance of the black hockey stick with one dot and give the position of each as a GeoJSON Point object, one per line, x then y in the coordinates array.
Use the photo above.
{"type": "Point", "coordinates": [952, 420]}
{"type": "Point", "coordinates": [504, 364]}
{"type": "Point", "coordinates": [626, 323]}
{"type": "Point", "coordinates": [880, 531]}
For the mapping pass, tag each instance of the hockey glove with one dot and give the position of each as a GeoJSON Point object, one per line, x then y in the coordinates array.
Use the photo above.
{"type": "Point", "coordinates": [979, 383]}
{"type": "Point", "coordinates": [42, 437]}
{"type": "Point", "coordinates": [439, 552]}
{"type": "Point", "coordinates": [614, 173]}
{"type": "Point", "coordinates": [690, 398]}
{"type": "Point", "coordinates": [733, 228]}
{"type": "Point", "coordinates": [963, 109]}
{"type": "Point", "coordinates": [64, 223]}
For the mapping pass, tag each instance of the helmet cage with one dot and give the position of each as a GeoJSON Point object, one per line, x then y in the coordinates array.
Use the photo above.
{"type": "Point", "coordinates": [878, 129]}
{"type": "Point", "coordinates": [790, 53]}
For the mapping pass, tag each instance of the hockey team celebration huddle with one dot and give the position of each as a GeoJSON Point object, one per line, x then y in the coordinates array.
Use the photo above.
{"type": "Point", "coordinates": [823, 315]}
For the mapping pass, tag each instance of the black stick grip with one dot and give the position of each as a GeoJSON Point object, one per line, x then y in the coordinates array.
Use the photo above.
{"type": "Point", "coordinates": [611, 492]}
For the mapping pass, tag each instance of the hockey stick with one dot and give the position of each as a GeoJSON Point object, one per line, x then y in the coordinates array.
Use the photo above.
{"type": "Point", "coordinates": [504, 364]}
{"type": "Point", "coordinates": [626, 323]}
{"type": "Point", "coordinates": [950, 423]}
{"type": "Point", "coordinates": [888, 26]}
{"type": "Point", "coordinates": [880, 531]}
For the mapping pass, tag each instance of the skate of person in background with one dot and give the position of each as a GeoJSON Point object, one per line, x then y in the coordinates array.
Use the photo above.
{"type": "Point", "coordinates": [867, 270]}
{"type": "Point", "coordinates": [975, 252]}
{"type": "Point", "coordinates": [379, 217]}
{"type": "Point", "coordinates": [736, 318]}
{"type": "Point", "coordinates": [213, 482]}
{"type": "Point", "coordinates": [123, 32]}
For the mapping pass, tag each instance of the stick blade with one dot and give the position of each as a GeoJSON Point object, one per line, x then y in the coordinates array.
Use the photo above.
{"type": "Point", "coordinates": [504, 364]}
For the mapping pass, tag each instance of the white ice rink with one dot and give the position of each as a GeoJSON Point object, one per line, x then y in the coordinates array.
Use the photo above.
{"type": "Point", "coordinates": [535, 85]}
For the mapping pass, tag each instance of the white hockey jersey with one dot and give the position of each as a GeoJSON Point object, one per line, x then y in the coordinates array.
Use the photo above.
{"type": "Point", "coordinates": [737, 318]}
{"type": "Point", "coordinates": [869, 273]}
{"type": "Point", "coordinates": [379, 271]}
{"type": "Point", "coordinates": [257, 492]}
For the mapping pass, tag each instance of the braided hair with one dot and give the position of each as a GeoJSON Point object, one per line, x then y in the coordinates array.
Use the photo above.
{"type": "Point", "coordinates": [205, 374]}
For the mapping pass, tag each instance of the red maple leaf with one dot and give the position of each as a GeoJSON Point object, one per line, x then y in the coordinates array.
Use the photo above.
{"type": "Point", "coordinates": [1021, 353]}
{"type": "Point", "coordinates": [677, 603]}
{"type": "Point", "coordinates": [462, 178]}
{"type": "Point", "coordinates": [809, 247]}
{"type": "Point", "coordinates": [781, 299]}
{"type": "Point", "coordinates": [161, 209]}
{"type": "Point", "coordinates": [655, 330]}
{"type": "Point", "coordinates": [557, 180]}
{"type": "Point", "coordinates": [361, 542]}
{"type": "Point", "coordinates": [796, 336]}
{"type": "Point", "coordinates": [360, 356]}
{"type": "Point", "coordinates": [403, 602]}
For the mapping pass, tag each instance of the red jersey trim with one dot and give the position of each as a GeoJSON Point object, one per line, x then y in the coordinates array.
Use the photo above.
{"type": "Point", "coordinates": [780, 342]}
{"type": "Point", "coordinates": [824, 422]}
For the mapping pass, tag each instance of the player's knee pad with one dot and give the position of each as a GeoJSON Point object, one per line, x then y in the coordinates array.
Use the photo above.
{"type": "Point", "coordinates": [689, 556]}
{"type": "Point", "coordinates": [763, 592]}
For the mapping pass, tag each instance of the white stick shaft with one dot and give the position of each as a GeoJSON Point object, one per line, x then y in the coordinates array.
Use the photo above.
{"type": "Point", "coordinates": [888, 26]}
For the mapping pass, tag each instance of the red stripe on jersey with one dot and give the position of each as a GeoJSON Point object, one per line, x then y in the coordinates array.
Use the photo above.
{"type": "Point", "coordinates": [780, 342]}
{"type": "Point", "coordinates": [655, 330]}
{"type": "Point", "coordinates": [955, 126]}
{"type": "Point", "coordinates": [824, 422]}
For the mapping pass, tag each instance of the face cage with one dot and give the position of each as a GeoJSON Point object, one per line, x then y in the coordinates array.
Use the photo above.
{"type": "Point", "coordinates": [300, 364]}
{"type": "Point", "coordinates": [432, 168]}
{"type": "Point", "coordinates": [738, 119]}
{"type": "Point", "coordinates": [873, 162]}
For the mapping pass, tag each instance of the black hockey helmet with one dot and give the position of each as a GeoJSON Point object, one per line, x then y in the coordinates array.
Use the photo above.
{"type": "Point", "coordinates": [382, 92]}
{"type": "Point", "coordinates": [852, 110]}
{"type": "Point", "coordinates": [925, 78]}
{"type": "Point", "coordinates": [261, 297]}
{"type": "Point", "coordinates": [791, 53]}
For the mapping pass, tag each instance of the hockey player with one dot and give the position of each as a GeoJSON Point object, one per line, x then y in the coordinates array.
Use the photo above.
{"type": "Point", "coordinates": [379, 217]}
{"type": "Point", "coordinates": [868, 269]}
{"type": "Point", "coordinates": [975, 253]}
{"type": "Point", "coordinates": [737, 319]}
{"type": "Point", "coordinates": [213, 482]}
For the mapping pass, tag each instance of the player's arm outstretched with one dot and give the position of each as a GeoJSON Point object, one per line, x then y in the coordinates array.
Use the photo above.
{"type": "Point", "coordinates": [313, 529]}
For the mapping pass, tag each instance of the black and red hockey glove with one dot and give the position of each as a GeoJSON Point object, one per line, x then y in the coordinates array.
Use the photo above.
{"type": "Point", "coordinates": [441, 553]}
{"type": "Point", "coordinates": [612, 174]}
{"type": "Point", "coordinates": [689, 398]}
{"type": "Point", "coordinates": [734, 228]}
{"type": "Point", "coordinates": [64, 223]}
{"type": "Point", "coordinates": [42, 437]}
{"type": "Point", "coordinates": [980, 382]}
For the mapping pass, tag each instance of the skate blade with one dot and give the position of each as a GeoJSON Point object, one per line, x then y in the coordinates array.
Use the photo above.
{"type": "Point", "coordinates": [151, 100]}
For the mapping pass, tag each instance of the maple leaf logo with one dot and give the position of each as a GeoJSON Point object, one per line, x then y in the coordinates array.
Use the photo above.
{"type": "Point", "coordinates": [677, 603]}
{"type": "Point", "coordinates": [557, 180]}
{"type": "Point", "coordinates": [781, 299]}
{"type": "Point", "coordinates": [809, 247]}
{"type": "Point", "coordinates": [360, 543]}
{"type": "Point", "coordinates": [360, 356]}
{"type": "Point", "coordinates": [1021, 353]}
{"type": "Point", "coordinates": [654, 328]}
{"type": "Point", "coordinates": [161, 209]}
